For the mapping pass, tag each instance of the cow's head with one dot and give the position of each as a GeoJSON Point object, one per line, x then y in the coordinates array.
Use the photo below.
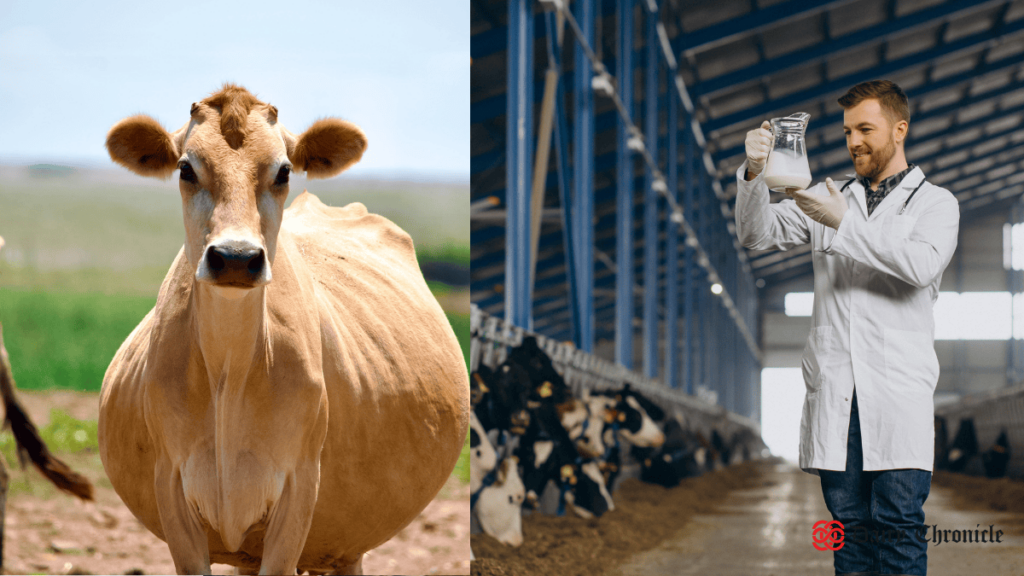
{"type": "Point", "coordinates": [500, 507]}
{"type": "Point", "coordinates": [234, 160]}
{"type": "Point", "coordinates": [482, 458]}
{"type": "Point", "coordinates": [586, 491]}
{"type": "Point", "coordinates": [583, 425]}
{"type": "Point", "coordinates": [623, 410]}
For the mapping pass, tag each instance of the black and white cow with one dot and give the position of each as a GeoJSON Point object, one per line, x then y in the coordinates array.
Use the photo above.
{"type": "Point", "coordinates": [629, 421]}
{"type": "Point", "coordinates": [546, 383]}
{"type": "Point", "coordinates": [941, 443]}
{"type": "Point", "coordinates": [549, 454]}
{"type": "Point", "coordinates": [746, 445]}
{"type": "Point", "coordinates": [681, 456]}
{"type": "Point", "coordinates": [572, 448]}
{"type": "Point", "coordinates": [482, 458]}
{"type": "Point", "coordinates": [503, 394]}
{"type": "Point", "coordinates": [996, 458]}
{"type": "Point", "coordinates": [632, 416]}
{"type": "Point", "coordinates": [964, 446]}
{"type": "Point", "coordinates": [722, 450]}
{"type": "Point", "coordinates": [584, 420]}
{"type": "Point", "coordinates": [499, 506]}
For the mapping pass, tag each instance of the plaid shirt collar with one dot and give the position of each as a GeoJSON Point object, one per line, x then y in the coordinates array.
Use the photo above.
{"type": "Point", "coordinates": [875, 197]}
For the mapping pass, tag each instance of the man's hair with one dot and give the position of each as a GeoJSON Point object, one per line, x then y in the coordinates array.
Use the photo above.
{"type": "Point", "coordinates": [894, 102]}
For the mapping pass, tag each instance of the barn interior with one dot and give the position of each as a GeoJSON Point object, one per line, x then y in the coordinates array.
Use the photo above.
{"type": "Point", "coordinates": [606, 136]}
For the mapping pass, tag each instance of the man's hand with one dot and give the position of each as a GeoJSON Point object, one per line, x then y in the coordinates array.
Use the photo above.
{"type": "Point", "coordinates": [828, 210]}
{"type": "Point", "coordinates": [759, 143]}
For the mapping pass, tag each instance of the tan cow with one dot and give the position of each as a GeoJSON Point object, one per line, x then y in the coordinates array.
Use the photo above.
{"type": "Point", "coordinates": [296, 375]}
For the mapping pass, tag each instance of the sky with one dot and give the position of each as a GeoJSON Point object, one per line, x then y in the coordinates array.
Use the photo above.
{"type": "Point", "coordinates": [399, 70]}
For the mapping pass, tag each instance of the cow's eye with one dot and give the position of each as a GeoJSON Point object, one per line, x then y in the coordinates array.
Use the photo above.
{"type": "Point", "coordinates": [282, 176]}
{"type": "Point", "coordinates": [511, 500]}
{"type": "Point", "coordinates": [187, 173]}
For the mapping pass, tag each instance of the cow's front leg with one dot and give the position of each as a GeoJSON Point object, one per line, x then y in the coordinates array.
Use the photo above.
{"type": "Point", "coordinates": [289, 520]}
{"type": "Point", "coordinates": [183, 530]}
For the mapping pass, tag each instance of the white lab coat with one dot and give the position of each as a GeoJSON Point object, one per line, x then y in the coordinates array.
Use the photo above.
{"type": "Point", "coordinates": [876, 280]}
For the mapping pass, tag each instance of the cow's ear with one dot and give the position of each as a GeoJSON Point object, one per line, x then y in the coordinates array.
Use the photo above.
{"type": "Point", "coordinates": [140, 144]}
{"type": "Point", "coordinates": [327, 148]}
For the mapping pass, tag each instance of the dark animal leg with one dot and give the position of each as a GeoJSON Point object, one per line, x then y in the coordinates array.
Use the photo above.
{"type": "Point", "coordinates": [27, 437]}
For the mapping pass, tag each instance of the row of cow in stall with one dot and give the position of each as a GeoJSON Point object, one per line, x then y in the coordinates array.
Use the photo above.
{"type": "Point", "coordinates": [535, 445]}
{"type": "Point", "coordinates": [957, 456]}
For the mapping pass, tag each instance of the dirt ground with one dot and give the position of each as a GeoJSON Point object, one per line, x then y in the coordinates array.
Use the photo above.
{"type": "Point", "coordinates": [976, 493]}
{"type": "Point", "coordinates": [647, 515]}
{"type": "Point", "coordinates": [644, 515]}
{"type": "Point", "coordinates": [51, 533]}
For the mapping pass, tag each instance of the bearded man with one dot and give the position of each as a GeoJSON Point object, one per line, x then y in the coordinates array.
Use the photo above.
{"type": "Point", "coordinates": [880, 243]}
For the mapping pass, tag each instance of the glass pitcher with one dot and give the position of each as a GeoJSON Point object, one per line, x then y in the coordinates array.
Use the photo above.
{"type": "Point", "coordinates": [787, 167]}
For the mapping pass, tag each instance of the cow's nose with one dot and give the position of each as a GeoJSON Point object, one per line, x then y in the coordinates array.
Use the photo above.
{"type": "Point", "coordinates": [235, 264]}
{"type": "Point", "coordinates": [221, 259]}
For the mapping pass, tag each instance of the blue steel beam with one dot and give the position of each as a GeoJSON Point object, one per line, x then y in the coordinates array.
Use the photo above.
{"type": "Point", "coordinates": [624, 224]}
{"type": "Point", "coordinates": [843, 83]}
{"type": "Point", "coordinates": [1003, 155]}
{"type": "Point", "coordinates": [562, 168]}
{"type": "Point", "coordinates": [672, 248]}
{"type": "Point", "coordinates": [494, 106]}
{"type": "Point", "coordinates": [688, 284]}
{"type": "Point", "coordinates": [553, 289]}
{"type": "Point", "coordinates": [703, 332]}
{"type": "Point", "coordinates": [492, 41]}
{"type": "Point", "coordinates": [551, 281]}
{"type": "Point", "coordinates": [482, 236]}
{"type": "Point", "coordinates": [556, 318]}
{"type": "Point", "coordinates": [605, 223]}
{"type": "Point", "coordinates": [753, 22]}
{"type": "Point", "coordinates": [519, 136]}
{"type": "Point", "coordinates": [583, 188]}
{"type": "Point", "coordinates": [818, 126]}
{"type": "Point", "coordinates": [650, 326]}
{"type": "Point", "coordinates": [820, 52]}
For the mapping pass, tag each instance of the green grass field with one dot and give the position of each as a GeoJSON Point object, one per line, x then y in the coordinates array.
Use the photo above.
{"type": "Point", "coordinates": [66, 340]}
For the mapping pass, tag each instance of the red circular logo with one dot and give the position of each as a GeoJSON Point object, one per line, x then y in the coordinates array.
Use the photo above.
{"type": "Point", "coordinates": [828, 535]}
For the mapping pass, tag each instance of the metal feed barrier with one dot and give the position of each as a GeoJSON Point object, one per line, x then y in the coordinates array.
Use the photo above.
{"type": "Point", "coordinates": [493, 337]}
{"type": "Point", "coordinates": [993, 412]}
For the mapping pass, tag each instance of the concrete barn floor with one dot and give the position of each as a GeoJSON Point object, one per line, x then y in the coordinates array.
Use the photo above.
{"type": "Point", "coordinates": [767, 532]}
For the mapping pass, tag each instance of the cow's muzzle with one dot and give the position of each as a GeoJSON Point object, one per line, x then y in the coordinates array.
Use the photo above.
{"type": "Point", "coordinates": [236, 264]}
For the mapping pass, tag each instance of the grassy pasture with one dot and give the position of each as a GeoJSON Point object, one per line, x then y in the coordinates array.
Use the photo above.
{"type": "Point", "coordinates": [66, 340]}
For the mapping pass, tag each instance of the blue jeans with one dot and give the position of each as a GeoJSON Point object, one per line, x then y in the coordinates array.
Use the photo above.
{"type": "Point", "coordinates": [881, 512]}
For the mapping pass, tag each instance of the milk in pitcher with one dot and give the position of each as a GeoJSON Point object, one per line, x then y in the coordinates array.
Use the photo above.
{"type": "Point", "coordinates": [786, 171]}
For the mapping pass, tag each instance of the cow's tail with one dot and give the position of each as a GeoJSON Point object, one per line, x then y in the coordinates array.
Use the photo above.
{"type": "Point", "coordinates": [30, 445]}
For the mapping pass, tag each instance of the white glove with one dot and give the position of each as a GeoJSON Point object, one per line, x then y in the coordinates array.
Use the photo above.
{"type": "Point", "coordinates": [759, 143]}
{"type": "Point", "coordinates": [828, 210]}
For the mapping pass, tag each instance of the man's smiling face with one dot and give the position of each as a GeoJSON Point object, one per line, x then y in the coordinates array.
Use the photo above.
{"type": "Point", "coordinates": [870, 137]}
